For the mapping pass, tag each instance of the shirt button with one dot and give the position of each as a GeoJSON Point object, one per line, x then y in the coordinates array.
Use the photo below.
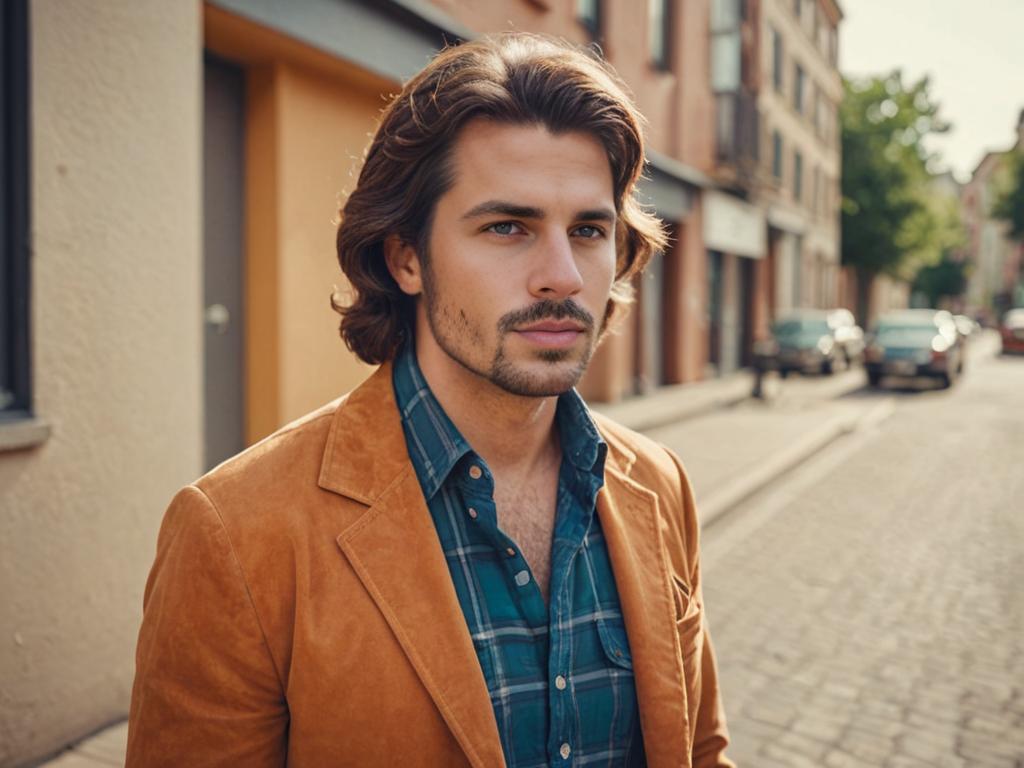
{"type": "Point", "coordinates": [475, 472]}
{"type": "Point", "coordinates": [560, 683]}
{"type": "Point", "coordinates": [472, 513]}
{"type": "Point", "coordinates": [523, 578]}
{"type": "Point", "coordinates": [564, 751]}
{"type": "Point", "coordinates": [511, 552]}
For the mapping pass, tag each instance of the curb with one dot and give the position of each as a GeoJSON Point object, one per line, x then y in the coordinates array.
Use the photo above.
{"type": "Point", "coordinates": [718, 503]}
{"type": "Point", "coordinates": [677, 402]}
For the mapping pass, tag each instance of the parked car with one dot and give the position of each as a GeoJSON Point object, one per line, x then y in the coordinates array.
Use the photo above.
{"type": "Point", "coordinates": [912, 343]}
{"type": "Point", "coordinates": [802, 340]}
{"type": "Point", "coordinates": [1011, 331]}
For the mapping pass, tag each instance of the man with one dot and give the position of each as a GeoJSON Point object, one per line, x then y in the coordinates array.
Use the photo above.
{"type": "Point", "coordinates": [455, 564]}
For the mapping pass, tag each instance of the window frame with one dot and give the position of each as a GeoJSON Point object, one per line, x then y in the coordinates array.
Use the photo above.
{"type": "Point", "coordinates": [660, 39]}
{"type": "Point", "coordinates": [15, 251]}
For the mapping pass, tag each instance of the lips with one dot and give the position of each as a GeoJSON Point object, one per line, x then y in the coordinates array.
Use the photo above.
{"type": "Point", "coordinates": [552, 333]}
{"type": "Point", "coordinates": [553, 326]}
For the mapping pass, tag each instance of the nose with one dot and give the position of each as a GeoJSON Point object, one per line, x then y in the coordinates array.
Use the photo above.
{"type": "Point", "coordinates": [555, 274]}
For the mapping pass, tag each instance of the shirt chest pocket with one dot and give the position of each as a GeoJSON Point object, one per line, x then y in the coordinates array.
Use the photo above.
{"type": "Point", "coordinates": [615, 643]}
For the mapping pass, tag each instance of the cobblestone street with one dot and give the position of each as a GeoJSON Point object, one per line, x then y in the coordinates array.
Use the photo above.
{"type": "Point", "coordinates": [868, 610]}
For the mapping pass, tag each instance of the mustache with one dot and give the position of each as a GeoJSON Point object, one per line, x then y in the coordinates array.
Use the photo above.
{"type": "Point", "coordinates": [546, 309]}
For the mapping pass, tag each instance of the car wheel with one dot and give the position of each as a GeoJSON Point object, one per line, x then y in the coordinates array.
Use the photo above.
{"type": "Point", "coordinates": [946, 380]}
{"type": "Point", "coordinates": [783, 373]}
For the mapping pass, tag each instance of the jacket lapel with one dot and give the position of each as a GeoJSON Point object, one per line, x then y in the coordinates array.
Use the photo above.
{"type": "Point", "coordinates": [393, 548]}
{"type": "Point", "coordinates": [629, 518]}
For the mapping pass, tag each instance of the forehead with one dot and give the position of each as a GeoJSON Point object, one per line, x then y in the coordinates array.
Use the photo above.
{"type": "Point", "coordinates": [529, 164]}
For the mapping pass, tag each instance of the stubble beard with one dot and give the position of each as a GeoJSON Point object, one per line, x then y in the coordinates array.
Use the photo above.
{"type": "Point", "coordinates": [447, 323]}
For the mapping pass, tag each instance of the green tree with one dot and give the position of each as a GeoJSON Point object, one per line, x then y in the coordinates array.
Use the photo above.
{"type": "Point", "coordinates": [1009, 205]}
{"type": "Point", "coordinates": [946, 279]}
{"type": "Point", "coordinates": [889, 224]}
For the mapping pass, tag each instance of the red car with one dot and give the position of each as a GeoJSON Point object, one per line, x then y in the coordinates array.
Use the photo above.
{"type": "Point", "coordinates": [1012, 331]}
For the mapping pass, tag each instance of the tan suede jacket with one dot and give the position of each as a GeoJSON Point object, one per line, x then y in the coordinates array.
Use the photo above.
{"type": "Point", "coordinates": [300, 611]}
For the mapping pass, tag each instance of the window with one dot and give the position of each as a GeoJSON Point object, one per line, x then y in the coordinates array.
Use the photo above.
{"type": "Point", "coordinates": [777, 156]}
{"type": "Point", "coordinates": [816, 191]}
{"type": "Point", "coordinates": [777, 63]}
{"type": "Point", "coordinates": [659, 30]}
{"type": "Point", "coordinates": [588, 12]}
{"type": "Point", "coordinates": [798, 176]}
{"type": "Point", "coordinates": [818, 127]}
{"type": "Point", "coordinates": [15, 389]}
{"type": "Point", "coordinates": [726, 45]}
{"type": "Point", "coordinates": [798, 88]}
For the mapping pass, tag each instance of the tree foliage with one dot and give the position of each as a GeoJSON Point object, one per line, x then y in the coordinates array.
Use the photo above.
{"type": "Point", "coordinates": [889, 223]}
{"type": "Point", "coordinates": [946, 279]}
{"type": "Point", "coordinates": [1009, 205]}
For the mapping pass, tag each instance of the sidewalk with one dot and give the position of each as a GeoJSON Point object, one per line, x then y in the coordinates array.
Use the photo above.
{"type": "Point", "coordinates": [730, 445]}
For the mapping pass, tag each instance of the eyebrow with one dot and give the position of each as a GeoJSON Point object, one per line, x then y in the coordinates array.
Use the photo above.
{"type": "Point", "coordinates": [503, 208]}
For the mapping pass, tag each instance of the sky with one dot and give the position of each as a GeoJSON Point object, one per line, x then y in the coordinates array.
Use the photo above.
{"type": "Point", "coordinates": [973, 51]}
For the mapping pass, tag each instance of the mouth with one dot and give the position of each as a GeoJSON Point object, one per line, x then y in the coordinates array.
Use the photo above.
{"type": "Point", "coordinates": [552, 333]}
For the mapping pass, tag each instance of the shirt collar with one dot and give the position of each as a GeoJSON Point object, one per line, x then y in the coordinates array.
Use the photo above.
{"type": "Point", "coordinates": [582, 445]}
{"type": "Point", "coordinates": [436, 446]}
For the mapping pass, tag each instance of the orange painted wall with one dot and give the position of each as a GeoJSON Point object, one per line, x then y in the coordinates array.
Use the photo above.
{"type": "Point", "coordinates": [311, 130]}
{"type": "Point", "coordinates": [324, 127]}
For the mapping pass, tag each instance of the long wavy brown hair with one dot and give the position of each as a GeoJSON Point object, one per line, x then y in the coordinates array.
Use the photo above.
{"type": "Point", "coordinates": [511, 78]}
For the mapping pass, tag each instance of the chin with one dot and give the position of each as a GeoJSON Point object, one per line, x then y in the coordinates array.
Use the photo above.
{"type": "Point", "coordinates": [550, 376]}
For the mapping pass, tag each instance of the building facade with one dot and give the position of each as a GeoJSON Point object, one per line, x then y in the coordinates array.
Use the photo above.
{"type": "Point", "coordinates": [995, 280]}
{"type": "Point", "coordinates": [799, 148]}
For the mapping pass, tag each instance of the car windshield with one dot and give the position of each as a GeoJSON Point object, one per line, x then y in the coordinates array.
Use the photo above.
{"type": "Point", "coordinates": [799, 326]}
{"type": "Point", "coordinates": [916, 331]}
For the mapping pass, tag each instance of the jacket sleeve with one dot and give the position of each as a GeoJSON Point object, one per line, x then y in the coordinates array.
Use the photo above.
{"type": "Point", "coordinates": [711, 736]}
{"type": "Point", "coordinates": [206, 690]}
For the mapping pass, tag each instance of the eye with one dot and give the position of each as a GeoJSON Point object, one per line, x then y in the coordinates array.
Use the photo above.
{"type": "Point", "coordinates": [504, 228]}
{"type": "Point", "coordinates": [589, 232]}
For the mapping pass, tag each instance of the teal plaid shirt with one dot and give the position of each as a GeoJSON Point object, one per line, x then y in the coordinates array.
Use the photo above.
{"type": "Point", "coordinates": [560, 678]}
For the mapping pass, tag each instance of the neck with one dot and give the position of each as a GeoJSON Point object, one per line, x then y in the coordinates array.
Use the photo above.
{"type": "Point", "coordinates": [512, 433]}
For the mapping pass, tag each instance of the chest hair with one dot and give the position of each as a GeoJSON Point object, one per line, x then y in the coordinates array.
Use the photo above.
{"type": "Point", "coordinates": [526, 513]}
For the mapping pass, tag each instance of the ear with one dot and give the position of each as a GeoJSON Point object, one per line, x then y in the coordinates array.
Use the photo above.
{"type": "Point", "coordinates": [404, 265]}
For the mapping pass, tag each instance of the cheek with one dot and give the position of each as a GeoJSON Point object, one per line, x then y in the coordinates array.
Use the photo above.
{"type": "Point", "coordinates": [601, 276]}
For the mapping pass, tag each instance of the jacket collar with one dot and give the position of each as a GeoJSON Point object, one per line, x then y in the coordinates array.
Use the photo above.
{"type": "Point", "coordinates": [366, 449]}
{"type": "Point", "coordinates": [390, 547]}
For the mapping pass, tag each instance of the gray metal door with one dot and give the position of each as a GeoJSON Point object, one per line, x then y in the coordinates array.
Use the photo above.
{"type": "Point", "coordinates": [223, 226]}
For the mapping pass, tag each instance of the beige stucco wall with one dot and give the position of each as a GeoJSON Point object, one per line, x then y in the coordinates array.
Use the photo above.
{"type": "Point", "coordinates": [116, 340]}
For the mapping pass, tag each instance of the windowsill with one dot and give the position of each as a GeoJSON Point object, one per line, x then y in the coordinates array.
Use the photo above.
{"type": "Point", "coordinates": [17, 435]}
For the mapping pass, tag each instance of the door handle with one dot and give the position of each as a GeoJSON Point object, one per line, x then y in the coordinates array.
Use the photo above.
{"type": "Point", "coordinates": [218, 317]}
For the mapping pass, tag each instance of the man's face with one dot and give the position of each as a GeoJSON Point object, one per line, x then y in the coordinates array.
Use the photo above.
{"type": "Point", "coordinates": [521, 258]}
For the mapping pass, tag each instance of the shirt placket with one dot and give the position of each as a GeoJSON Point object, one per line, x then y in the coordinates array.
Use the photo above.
{"type": "Point", "coordinates": [571, 522]}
